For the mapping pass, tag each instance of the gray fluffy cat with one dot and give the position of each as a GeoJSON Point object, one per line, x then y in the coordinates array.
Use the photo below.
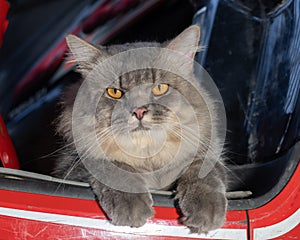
{"type": "Point", "coordinates": [150, 124]}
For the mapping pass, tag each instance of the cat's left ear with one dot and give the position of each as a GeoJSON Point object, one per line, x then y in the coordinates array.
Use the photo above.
{"type": "Point", "coordinates": [187, 42]}
{"type": "Point", "coordinates": [84, 54]}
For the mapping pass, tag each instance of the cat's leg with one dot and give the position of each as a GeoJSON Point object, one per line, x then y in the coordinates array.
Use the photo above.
{"type": "Point", "coordinates": [202, 201]}
{"type": "Point", "coordinates": [123, 208]}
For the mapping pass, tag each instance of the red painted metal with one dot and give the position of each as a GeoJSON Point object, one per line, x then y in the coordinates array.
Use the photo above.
{"type": "Point", "coordinates": [8, 155]}
{"type": "Point", "coordinates": [50, 204]}
{"type": "Point", "coordinates": [32, 230]}
{"type": "Point", "coordinates": [4, 6]}
{"type": "Point", "coordinates": [20, 228]}
{"type": "Point", "coordinates": [279, 213]}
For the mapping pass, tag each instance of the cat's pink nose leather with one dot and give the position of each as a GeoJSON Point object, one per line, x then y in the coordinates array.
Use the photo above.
{"type": "Point", "coordinates": [139, 112]}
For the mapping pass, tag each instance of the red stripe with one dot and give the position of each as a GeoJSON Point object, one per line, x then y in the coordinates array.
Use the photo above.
{"type": "Point", "coordinates": [4, 6]}
{"type": "Point", "coordinates": [280, 208]}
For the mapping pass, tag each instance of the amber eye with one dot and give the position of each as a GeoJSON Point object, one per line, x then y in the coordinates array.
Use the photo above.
{"type": "Point", "coordinates": [160, 89]}
{"type": "Point", "coordinates": [114, 93]}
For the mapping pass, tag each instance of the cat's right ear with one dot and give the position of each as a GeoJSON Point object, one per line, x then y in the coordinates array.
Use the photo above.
{"type": "Point", "coordinates": [84, 54]}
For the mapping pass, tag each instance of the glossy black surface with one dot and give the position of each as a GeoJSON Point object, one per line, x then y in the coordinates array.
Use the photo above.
{"type": "Point", "coordinates": [253, 56]}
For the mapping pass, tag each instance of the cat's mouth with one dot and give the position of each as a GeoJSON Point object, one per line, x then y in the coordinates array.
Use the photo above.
{"type": "Point", "coordinates": [140, 127]}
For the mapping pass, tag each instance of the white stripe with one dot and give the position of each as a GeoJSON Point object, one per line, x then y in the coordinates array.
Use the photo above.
{"type": "Point", "coordinates": [278, 229]}
{"type": "Point", "coordinates": [150, 229]}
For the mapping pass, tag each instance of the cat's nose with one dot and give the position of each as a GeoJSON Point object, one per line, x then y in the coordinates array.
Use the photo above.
{"type": "Point", "coordinates": [139, 112]}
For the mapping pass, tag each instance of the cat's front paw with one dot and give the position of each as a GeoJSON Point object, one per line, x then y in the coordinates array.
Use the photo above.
{"type": "Point", "coordinates": [127, 209]}
{"type": "Point", "coordinates": [203, 213]}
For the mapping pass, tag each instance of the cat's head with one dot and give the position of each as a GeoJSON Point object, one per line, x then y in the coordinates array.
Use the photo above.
{"type": "Point", "coordinates": [142, 116]}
